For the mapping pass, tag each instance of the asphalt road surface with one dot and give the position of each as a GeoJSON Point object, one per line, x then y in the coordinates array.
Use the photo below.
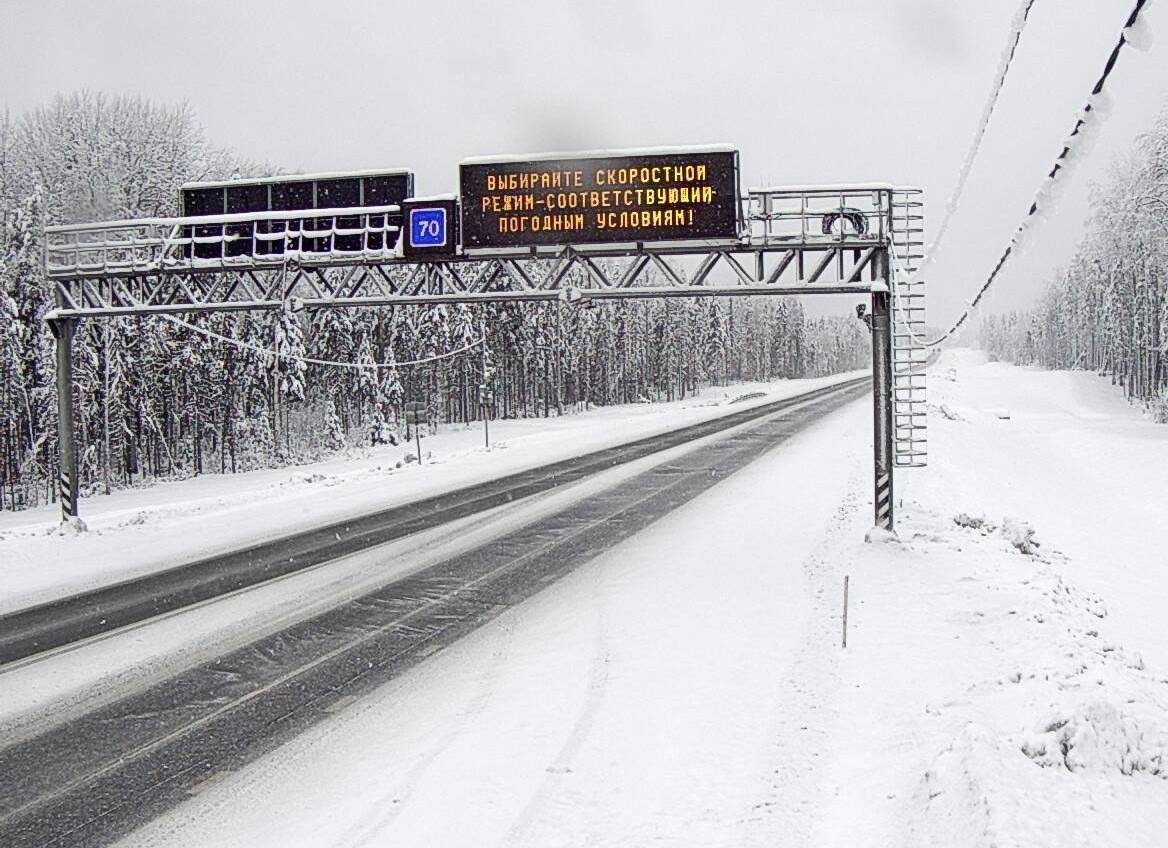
{"type": "Point", "coordinates": [94, 779]}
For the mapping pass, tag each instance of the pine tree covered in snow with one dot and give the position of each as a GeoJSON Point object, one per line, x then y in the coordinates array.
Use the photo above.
{"type": "Point", "coordinates": [38, 443]}
{"type": "Point", "coordinates": [13, 398]}
{"type": "Point", "coordinates": [289, 345]}
{"type": "Point", "coordinates": [334, 435]}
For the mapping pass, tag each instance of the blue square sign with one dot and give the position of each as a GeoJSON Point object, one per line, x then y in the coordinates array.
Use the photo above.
{"type": "Point", "coordinates": [428, 227]}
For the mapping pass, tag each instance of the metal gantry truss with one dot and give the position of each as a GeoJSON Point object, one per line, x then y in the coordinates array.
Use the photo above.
{"type": "Point", "coordinates": [802, 241]}
{"type": "Point", "coordinates": [793, 241]}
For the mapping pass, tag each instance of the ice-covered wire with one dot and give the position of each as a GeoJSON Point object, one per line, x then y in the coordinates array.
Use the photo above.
{"type": "Point", "coordinates": [1134, 32]}
{"type": "Point", "coordinates": [309, 360]}
{"type": "Point", "coordinates": [1017, 26]}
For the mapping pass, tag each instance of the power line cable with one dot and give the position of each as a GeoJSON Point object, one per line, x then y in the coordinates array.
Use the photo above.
{"type": "Point", "coordinates": [309, 360]}
{"type": "Point", "coordinates": [1085, 122]}
{"type": "Point", "coordinates": [1017, 26]}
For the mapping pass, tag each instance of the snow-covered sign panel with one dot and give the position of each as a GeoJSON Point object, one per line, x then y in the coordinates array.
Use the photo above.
{"type": "Point", "coordinates": [676, 194]}
{"type": "Point", "coordinates": [296, 192]}
{"type": "Point", "coordinates": [290, 193]}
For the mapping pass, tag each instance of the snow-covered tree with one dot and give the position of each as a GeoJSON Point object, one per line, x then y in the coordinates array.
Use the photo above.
{"type": "Point", "coordinates": [1108, 309]}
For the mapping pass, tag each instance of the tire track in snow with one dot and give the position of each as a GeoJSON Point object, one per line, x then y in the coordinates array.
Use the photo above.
{"type": "Point", "coordinates": [392, 803]}
{"type": "Point", "coordinates": [582, 727]}
{"type": "Point", "coordinates": [796, 763]}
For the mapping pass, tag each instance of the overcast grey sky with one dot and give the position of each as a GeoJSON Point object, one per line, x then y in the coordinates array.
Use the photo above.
{"type": "Point", "coordinates": [808, 90]}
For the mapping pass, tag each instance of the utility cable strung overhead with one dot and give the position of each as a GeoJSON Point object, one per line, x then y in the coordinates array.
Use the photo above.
{"type": "Point", "coordinates": [1086, 121]}
{"type": "Point", "coordinates": [359, 366]}
{"type": "Point", "coordinates": [1017, 26]}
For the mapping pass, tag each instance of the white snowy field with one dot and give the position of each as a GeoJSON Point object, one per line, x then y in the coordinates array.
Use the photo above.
{"type": "Point", "coordinates": [136, 531]}
{"type": "Point", "coordinates": [689, 688]}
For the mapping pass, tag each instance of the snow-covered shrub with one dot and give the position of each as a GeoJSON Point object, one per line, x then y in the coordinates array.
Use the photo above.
{"type": "Point", "coordinates": [1098, 738]}
{"type": "Point", "coordinates": [972, 522]}
{"type": "Point", "coordinates": [945, 412]}
{"type": "Point", "coordinates": [1160, 408]}
{"type": "Point", "coordinates": [334, 432]}
{"type": "Point", "coordinates": [1020, 535]}
{"type": "Point", "coordinates": [381, 432]}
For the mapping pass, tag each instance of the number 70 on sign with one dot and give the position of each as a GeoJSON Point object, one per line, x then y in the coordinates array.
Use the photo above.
{"type": "Point", "coordinates": [428, 227]}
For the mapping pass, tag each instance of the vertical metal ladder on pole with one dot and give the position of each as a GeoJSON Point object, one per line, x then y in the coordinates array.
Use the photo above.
{"type": "Point", "coordinates": [909, 355]}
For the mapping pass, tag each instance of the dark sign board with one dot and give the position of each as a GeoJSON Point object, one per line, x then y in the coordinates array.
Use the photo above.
{"type": "Point", "coordinates": [673, 196]}
{"type": "Point", "coordinates": [298, 191]}
{"type": "Point", "coordinates": [289, 194]}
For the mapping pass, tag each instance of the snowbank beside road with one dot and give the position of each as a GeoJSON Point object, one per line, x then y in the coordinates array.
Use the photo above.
{"type": "Point", "coordinates": [1006, 682]}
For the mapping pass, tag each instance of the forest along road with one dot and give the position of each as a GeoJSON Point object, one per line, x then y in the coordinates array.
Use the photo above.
{"type": "Point", "coordinates": [97, 777]}
{"type": "Point", "coordinates": [28, 632]}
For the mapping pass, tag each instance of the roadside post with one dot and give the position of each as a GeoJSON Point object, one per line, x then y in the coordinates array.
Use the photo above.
{"type": "Point", "coordinates": [486, 394]}
{"type": "Point", "coordinates": [416, 415]}
{"type": "Point", "coordinates": [883, 429]}
{"type": "Point", "coordinates": [486, 401]}
{"type": "Point", "coordinates": [64, 329]}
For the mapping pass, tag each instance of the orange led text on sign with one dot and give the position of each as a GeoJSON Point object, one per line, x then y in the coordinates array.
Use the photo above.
{"type": "Point", "coordinates": [642, 197]}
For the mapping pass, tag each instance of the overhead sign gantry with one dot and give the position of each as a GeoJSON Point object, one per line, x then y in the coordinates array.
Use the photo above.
{"type": "Point", "coordinates": [573, 227]}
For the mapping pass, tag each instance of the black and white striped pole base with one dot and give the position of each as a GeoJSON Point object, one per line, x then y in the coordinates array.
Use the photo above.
{"type": "Point", "coordinates": [884, 501]}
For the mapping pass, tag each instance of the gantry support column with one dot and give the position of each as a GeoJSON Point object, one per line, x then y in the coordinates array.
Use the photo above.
{"type": "Point", "coordinates": [882, 433]}
{"type": "Point", "coordinates": [63, 330]}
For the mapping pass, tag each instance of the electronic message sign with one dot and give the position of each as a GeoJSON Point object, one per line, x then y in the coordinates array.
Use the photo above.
{"type": "Point", "coordinates": [635, 197]}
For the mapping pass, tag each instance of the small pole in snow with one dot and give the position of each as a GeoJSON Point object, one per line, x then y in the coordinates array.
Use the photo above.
{"type": "Point", "coordinates": [416, 415]}
{"type": "Point", "coordinates": [484, 410]}
{"type": "Point", "coordinates": [485, 386]}
{"type": "Point", "coordinates": [845, 643]}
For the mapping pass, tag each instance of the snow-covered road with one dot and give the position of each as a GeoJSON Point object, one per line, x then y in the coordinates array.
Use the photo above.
{"type": "Point", "coordinates": [51, 688]}
{"type": "Point", "coordinates": [142, 530]}
{"type": "Point", "coordinates": [1005, 681]}
{"type": "Point", "coordinates": [687, 688]}
{"type": "Point", "coordinates": [651, 694]}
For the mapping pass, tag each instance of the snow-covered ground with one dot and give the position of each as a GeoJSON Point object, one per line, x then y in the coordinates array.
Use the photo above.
{"type": "Point", "coordinates": [135, 531]}
{"type": "Point", "coordinates": [1005, 681]}
{"type": "Point", "coordinates": [689, 688]}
